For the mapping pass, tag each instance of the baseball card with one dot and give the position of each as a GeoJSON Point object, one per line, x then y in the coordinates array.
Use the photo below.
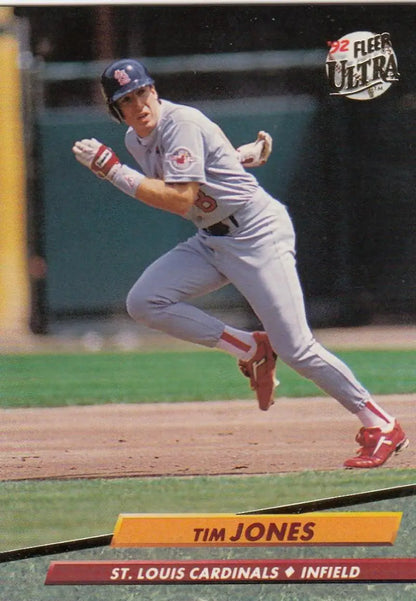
{"type": "Point", "coordinates": [207, 301]}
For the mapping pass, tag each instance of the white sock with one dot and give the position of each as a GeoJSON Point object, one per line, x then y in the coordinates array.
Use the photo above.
{"type": "Point", "coordinates": [373, 416]}
{"type": "Point", "coordinates": [237, 342]}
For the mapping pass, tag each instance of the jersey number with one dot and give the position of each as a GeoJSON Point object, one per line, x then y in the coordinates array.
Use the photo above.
{"type": "Point", "coordinates": [205, 203]}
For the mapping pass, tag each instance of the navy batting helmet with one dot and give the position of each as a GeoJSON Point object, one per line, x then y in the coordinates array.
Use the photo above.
{"type": "Point", "coordinates": [120, 78]}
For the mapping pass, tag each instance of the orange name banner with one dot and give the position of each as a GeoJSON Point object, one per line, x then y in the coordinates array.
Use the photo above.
{"type": "Point", "coordinates": [231, 530]}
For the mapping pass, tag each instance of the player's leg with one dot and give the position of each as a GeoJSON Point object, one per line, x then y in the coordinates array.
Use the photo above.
{"type": "Point", "coordinates": [157, 298]}
{"type": "Point", "coordinates": [265, 273]}
{"type": "Point", "coordinates": [270, 283]}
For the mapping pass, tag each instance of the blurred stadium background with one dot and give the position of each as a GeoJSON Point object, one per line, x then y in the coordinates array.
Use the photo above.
{"type": "Point", "coordinates": [72, 246]}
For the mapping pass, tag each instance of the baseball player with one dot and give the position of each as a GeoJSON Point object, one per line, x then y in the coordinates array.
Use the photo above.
{"type": "Point", "coordinates": [244, 236]}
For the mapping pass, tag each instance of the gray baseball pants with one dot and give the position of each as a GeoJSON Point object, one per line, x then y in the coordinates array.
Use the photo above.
{"type": "Point", "coordinates": [258, 258]}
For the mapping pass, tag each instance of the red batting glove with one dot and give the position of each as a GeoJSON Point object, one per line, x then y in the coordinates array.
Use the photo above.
{"type": "Point", "coordinates": [101, 159]}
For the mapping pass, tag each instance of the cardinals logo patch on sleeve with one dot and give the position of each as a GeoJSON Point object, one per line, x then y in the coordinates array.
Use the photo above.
{"type": "Point", "coordinates": [181, 159]}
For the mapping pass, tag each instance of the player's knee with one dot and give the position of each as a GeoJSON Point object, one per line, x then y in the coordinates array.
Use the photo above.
{"type": "Point", "coordinates": [143, 307]}
{"type": "Point", "coordinates": [138, 306]}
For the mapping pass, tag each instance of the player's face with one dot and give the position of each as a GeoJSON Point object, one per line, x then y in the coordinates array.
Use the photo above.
{"type": "Point", "coordinates": [140, 109]}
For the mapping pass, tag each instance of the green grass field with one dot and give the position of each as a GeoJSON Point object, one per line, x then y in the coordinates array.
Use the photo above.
{"type": "Point", "coordinates": [79, 508]}
{"type": "Point", "coordinates": [83, 379]}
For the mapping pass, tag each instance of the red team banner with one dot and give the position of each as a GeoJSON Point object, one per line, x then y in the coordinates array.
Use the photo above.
{"type": "Point", "coordinates": [232, 571]}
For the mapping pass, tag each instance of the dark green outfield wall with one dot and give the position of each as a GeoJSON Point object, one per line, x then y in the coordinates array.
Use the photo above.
{"type": "Point", "coordinates": [339, 167]}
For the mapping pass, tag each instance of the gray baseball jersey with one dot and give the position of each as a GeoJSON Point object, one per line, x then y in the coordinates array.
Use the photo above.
{"type": "Point", "coordinates": [257, 256]}
{"type": "Point", "coordinates": [187, 146]}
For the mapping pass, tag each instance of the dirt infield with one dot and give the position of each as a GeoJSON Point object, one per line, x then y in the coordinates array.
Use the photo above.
{"type": "Point", "coordinates": [180, 439]}
{"type": "Point", "coordinates": [208, 438]}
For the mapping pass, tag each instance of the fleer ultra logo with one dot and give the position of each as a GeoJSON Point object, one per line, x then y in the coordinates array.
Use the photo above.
{"type": "Point", "coordinates": [361, 65]}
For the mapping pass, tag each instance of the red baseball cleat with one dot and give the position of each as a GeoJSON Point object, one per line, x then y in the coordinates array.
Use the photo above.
{"type": "Point", "coordinates": [377, 446]}
{"type": "Point", "coordinates": [260, 369]}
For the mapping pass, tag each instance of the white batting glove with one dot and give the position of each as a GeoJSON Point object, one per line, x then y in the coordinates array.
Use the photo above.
{"type": "Point", "coordinates": [104, 163]}
{"type": "Point", "coordinates": [256, 153]}
{"type": "Point", "coordinates": [98, 157]}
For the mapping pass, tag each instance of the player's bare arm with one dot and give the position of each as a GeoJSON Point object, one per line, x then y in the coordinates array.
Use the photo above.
{"type": "Point", "coordinates": [103, 162]}
{"type": "Point", "coordinates": [175, 198]}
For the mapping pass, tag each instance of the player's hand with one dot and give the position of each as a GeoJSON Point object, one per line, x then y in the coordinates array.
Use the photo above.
{"type": "Point", "coordinates": [101, 159]}
{"type": "Point", "coordinates": [267, 140]}
{"type": "Point", "coordinates": [256, 153]}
